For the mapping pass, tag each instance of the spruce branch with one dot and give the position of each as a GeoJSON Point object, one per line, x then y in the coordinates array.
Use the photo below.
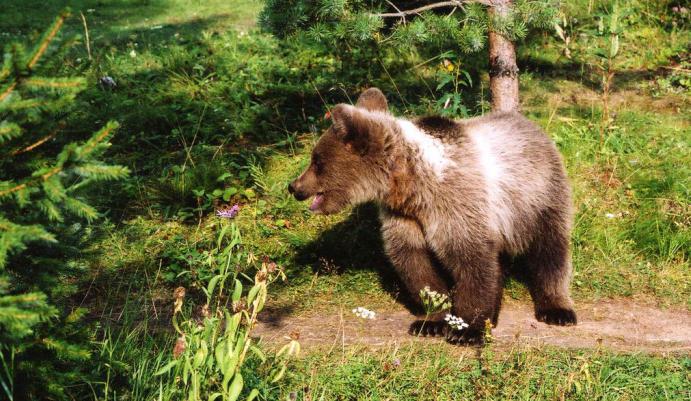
{"type": "Point", "coordinates": [31, 181]}
{"type": "Point", "coordinates": [9, 131]}
{"type": "Point", "coordinates": [442, 4]}
{"type": "Point", "coordinates": [38, 53]}
{"type": "Point", "coordinates": [54, 83]}
{"type": "Point", "coordinates": [7, 64]}
{"type": "Point", "coordinates": [98, 138]}
{"type": "Point", "coordinates": [35, 144]}
{"type": "Point", "coordinates": [7, 90]}
{"type": "Point", "coordinates": [79, 153]}
{"type": "Point", "coordinates": [49, 36]}
{"type": "Point", "coordinates": [38, 189]}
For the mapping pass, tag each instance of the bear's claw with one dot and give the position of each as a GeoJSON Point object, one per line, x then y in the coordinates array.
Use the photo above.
{"type": "Point", "coordinates": [429, 328]}
{"type": "Point", "coordinates": [467, 336]}
{"type": "Point", "coordinates": [557, 316]}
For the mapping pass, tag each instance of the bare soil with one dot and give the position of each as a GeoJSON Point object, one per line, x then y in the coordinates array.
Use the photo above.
{"type": "Point", "coordinates": [619, 325]}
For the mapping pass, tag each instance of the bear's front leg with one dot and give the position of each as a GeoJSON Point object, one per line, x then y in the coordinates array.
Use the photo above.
{"type": "Point", "coordinates": [407, 250]}
{"type": "Point", "coordinates": [477, 290]}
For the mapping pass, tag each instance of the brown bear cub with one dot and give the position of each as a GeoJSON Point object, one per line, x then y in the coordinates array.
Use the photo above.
{"type": "Point", "coordinates": [459, 201]}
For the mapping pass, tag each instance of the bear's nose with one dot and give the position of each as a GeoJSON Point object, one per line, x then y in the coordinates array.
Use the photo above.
{"type": "Point", "coordinates": [297, 191]}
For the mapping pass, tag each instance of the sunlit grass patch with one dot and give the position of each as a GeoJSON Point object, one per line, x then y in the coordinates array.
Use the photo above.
{"type": "Point", "coordinates": [433, 372]}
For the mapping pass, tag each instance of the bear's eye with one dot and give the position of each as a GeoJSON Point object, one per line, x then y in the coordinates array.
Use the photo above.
{"type": "Point", "coordinates": [318, 164]}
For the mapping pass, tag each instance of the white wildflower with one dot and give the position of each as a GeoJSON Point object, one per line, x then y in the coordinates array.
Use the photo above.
{"type": "Point", "coordinates": [455, 322]}
{"type": "Point", "coordinates": [434, 301]}
{"type": "Point", "coordinates": [133, 53]}
{"type": "Point", "coordinates": [610, 215]}
{"type": "Point", "coordinates": [364, 313]}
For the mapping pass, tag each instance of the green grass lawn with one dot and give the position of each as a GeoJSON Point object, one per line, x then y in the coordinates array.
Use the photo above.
{"type": "Point", "coordinates": [214, 112]}
{"type": "Point", "coordinates": [435, 373]}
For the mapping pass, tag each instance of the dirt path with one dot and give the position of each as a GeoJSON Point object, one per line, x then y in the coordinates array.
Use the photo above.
{"type": "Point", "coordinates": [618, 325]}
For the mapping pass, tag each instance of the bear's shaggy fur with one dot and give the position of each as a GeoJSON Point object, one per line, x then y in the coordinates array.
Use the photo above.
{"type": "Point", "coordinates": [469, 197]}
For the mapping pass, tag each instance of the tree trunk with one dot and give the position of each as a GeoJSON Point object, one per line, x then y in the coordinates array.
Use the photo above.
{"type": "Point", "coordinates": [503, 71]}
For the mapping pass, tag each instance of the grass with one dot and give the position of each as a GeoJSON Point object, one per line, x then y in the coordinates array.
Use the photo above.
{"type": "Point", "coordinates": [434, 373]}
{"type": "Point", "coordinates": [214, 112]}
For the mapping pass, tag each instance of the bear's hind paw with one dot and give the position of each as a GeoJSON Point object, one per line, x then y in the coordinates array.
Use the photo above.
{"type": "Point", "coordinates": [467, 336]}
{"type": "Point", "coordinates": [557, 316]}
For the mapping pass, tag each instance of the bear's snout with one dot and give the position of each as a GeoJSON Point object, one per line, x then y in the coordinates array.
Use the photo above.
{"type": "Point", "coordinates": [296, 190]}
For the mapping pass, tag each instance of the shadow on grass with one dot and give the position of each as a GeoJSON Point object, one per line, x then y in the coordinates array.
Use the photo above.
{"type": "Point", "coordinates": [355, 244]}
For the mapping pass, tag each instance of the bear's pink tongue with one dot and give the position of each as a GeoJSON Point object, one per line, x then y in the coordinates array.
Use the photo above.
{"type": "Point", "coordinates": [316, 202]}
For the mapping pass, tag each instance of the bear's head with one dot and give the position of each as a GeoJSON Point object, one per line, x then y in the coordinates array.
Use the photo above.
{"type": "Point", "coordinates": [349, 163]}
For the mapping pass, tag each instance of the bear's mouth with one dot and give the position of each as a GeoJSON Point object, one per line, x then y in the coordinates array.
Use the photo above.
{"type": "Point", "coordinates": [317, 201]}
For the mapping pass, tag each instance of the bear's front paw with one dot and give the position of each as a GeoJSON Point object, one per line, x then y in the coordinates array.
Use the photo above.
{"type": "Point", "coordinates": [466, 336]}
{"type": "Point", "coordinates": [431, 328]}
{"type": "Point", "coordinates": [557, 316]}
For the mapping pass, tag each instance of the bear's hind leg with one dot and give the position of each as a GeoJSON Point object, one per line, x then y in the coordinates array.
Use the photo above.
{"type": "Point", "coordinates": [549, 265]}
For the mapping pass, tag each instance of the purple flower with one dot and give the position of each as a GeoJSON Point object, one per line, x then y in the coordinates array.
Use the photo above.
{"type": "Point", "coordinates": [228, 212]}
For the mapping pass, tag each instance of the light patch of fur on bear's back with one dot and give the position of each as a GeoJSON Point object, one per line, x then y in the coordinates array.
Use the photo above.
{"type": "Point", "coordinates": [431, 150]}
{"type": "Point", "coordinates": [516, 182]}
{"type": "Point", "coordinates": [494, 172]}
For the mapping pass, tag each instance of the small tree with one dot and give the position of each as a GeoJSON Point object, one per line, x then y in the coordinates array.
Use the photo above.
{"type": "Point", "coordinates": [43, 175]}
{"type": "Point", "coordinates": [468, 24]}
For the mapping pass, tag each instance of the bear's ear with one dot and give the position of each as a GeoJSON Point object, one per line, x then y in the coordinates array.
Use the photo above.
{"type": "Point", "coordinates": [355, 128]}
{"type": "Point", "coordinates": [373, 100]}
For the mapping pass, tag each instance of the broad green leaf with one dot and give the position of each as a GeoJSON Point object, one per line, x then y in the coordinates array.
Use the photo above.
{"type": "Point", "coordinates": [614, 49]}
{"type": "Point", "coordinates": [280, 374]}
{"type": "Point", "coordinates": [229, 370]}
{"type": "Point", "coordinates": [213, 396]}
{"type": "Point", "coordinates": [229, 192]}
{"type": "Point", "coordinates": [212, 285]}
{"type": "Point", "coordinates": [186, 371]}
{"type": "Point", "coordinates": [237, 291]}
{"type": "Point", "coordinates": [223, 176]}
{"type": "Point", "coordinates": [232, 325]}
{"type": "Point", "coordinates": [200, 356]}
{"type": "Point", "coordinates": [258, 352]}
{"type": "Point", "coordinates": [252, 294]}
{"type": "Point", "coordinates": [236, 387]}
{"type": "Point", "coordinates": [220, 354]}
{"type": "Point", "coordinates": [253, 394]}
{"type": "Point", "coordinates": [166, 368]}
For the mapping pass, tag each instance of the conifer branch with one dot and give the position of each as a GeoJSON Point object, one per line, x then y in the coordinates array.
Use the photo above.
{"type": "Point", "coordinates": [87, 148]}
{"type": "Point", "coordinates": [7, 91]}
{"type": "Point", "coordinates": [43, 46]}
{"type": "Point", "coordinates": [442, 4]}
{"type": "Point", "coordinates": [54, 83]}
{"type": "Point", "coordinates": [35, 144]}
{"type": "Point", "coordinates": [9, 131]}
{"type": "Point", "coordinates": [48, 37]}
{"type": "Point", "coordinates": [99, 137]}
{"type": "Point", "coordinates": [6, 67]}
{"type": "Point", "coordinates": [25, 184]}
{"type": "Point", "coordinates": [12, 190]}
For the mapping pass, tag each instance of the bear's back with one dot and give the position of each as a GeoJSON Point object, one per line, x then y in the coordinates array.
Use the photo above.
{"type": "Point", "coordinates": [521, 168]}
